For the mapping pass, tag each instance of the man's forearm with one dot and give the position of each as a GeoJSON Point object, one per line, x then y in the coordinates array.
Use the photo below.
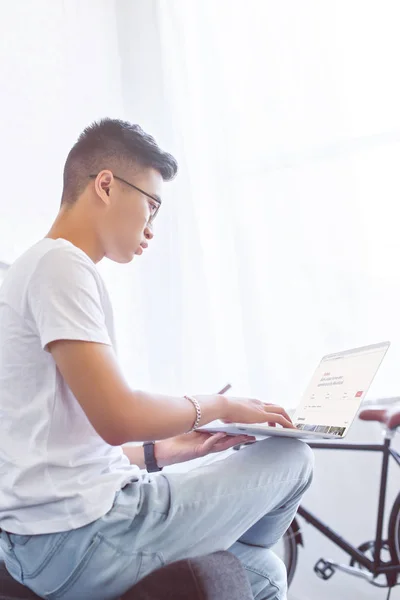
{"type": "Point", "coordinates": [156, 417]}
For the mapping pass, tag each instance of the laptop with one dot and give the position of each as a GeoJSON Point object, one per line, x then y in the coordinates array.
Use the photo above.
{"type": "Point", "coordinates": [330, 402]}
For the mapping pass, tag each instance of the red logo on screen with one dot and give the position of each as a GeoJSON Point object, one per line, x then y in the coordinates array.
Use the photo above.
{"type": "Point", "coordinates": [359, 394]}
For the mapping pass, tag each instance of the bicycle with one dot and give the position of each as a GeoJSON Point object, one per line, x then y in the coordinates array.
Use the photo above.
{"type": "Point", "coordinates": [360, 564]}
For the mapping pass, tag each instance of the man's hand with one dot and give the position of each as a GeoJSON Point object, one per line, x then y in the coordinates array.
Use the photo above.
{"type": "Point", "coordinates": [196, 444]}
{"type": "Point", "coordinates": [252, 411]}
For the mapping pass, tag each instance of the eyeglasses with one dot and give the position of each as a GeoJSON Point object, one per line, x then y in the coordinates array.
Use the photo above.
{"type": "Point", "coordinates": [154, 205]}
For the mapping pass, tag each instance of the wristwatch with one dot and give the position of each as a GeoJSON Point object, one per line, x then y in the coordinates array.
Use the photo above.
{"type": "Point", "coordinates": [149, 458]}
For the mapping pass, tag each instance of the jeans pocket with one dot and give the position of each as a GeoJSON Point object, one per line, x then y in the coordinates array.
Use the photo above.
{"type": "Point", "coordinates": [103, 572]}
{"type": "Point", "coordinates": [73, 577]}
{"type": "Point", "coordinates": [27, 555]}
{"type": "Point", "coordinates": [36, 552]}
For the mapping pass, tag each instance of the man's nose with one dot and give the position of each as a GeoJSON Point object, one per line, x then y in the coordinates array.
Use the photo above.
{"type": "Point", "coordinates": [148, 233]}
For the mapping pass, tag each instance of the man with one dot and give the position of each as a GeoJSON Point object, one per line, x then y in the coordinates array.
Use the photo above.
{"type": "Point", "coordinates": [78, 517]}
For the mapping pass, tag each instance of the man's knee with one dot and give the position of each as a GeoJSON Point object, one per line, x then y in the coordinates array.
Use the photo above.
{"type": "Point", "coordinates": [301, 452]}
{"type": "Point", "coordinates": [299, 459]}
{"type": "Point", "coordinates": [290, 451]}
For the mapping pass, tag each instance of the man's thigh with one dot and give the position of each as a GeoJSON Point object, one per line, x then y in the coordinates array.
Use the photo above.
{"type": "Point", "coordinates": [167, 517]}
{"type": "Point", "coordinates": [211, 507]}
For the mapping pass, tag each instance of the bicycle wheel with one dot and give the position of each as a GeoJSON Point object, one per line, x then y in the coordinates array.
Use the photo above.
{"type": "Point", "coordinates": [394, 531]}
{"type": "Point", "coordinates": [287, 551]}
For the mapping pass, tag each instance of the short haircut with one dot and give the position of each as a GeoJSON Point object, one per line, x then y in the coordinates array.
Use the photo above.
{"type": "Point", "coordinates": [112, 144]}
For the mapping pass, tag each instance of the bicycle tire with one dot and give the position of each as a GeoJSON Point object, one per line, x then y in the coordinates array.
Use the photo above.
{"type": "Point", "coordinates": [290, 542]}
{"type": "Point", "coordinates": [394, 531]}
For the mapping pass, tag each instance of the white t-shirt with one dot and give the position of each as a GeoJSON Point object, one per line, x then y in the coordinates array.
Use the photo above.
{"type": "Point", "coordinates": [56, 472]}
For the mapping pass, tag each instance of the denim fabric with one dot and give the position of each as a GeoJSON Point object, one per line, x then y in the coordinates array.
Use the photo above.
{"type": "Point", "coordinates": [243, 503]}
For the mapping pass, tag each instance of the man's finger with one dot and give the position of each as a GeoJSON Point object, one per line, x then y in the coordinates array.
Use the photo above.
{"type": "Point", "coordinates": [233, 440]}
{"type": "Point", "coordinates": [213, 440]}
{"type": "Point", "coordinates": [280, 420]}
{"type": "Point", "coordinates": [278, 409]}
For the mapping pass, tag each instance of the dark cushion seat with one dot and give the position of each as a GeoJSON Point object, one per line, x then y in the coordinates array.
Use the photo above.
{"type": "Point", "coordinates": [218, 576]}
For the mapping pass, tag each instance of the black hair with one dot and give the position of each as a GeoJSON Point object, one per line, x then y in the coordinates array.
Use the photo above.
{"type": "Point", "coordinates": [112, 144]}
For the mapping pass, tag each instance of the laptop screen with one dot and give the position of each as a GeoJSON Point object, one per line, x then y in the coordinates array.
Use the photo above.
{"type": "Point", "coordinates": [338, 387]}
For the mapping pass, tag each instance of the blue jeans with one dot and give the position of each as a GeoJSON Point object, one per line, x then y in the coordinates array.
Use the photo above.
{"type": "Point", "coordinates": [243, 503]}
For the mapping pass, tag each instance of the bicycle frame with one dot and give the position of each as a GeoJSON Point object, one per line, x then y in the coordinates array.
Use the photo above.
{"type": "Point", "coordinates": [377, 566]}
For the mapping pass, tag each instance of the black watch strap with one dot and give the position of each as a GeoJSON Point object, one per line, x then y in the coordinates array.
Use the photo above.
{"type": "Point", "coordinates": [149, 458]}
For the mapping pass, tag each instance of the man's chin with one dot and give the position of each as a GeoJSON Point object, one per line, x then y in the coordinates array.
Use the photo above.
{"type": "Point", "coordinates": [121, 259]}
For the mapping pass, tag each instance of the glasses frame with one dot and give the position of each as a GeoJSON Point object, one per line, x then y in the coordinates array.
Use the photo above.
{"type": "Point", "coordinates": [138, 189]}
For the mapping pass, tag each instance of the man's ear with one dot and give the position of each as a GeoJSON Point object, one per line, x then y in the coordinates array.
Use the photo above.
{"type": "Point", "coordinates": [103, 183]}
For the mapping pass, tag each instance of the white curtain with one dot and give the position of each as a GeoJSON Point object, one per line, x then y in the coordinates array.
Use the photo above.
{"type": "Point", "coordinates": [3, 270]}
{"type": "Point", "coordinates": [278, 242]}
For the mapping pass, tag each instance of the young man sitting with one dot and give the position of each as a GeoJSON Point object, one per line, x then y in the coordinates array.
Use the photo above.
{"type": "Point", "coordinates": [78, 517]}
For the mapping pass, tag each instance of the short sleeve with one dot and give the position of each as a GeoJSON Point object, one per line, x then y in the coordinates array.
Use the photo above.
{"type": "Point", "coordinates": [65, 299]}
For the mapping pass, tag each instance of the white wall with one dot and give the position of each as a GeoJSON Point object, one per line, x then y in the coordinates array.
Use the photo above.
{"type": "Point", "coordinates": [60, 69]}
